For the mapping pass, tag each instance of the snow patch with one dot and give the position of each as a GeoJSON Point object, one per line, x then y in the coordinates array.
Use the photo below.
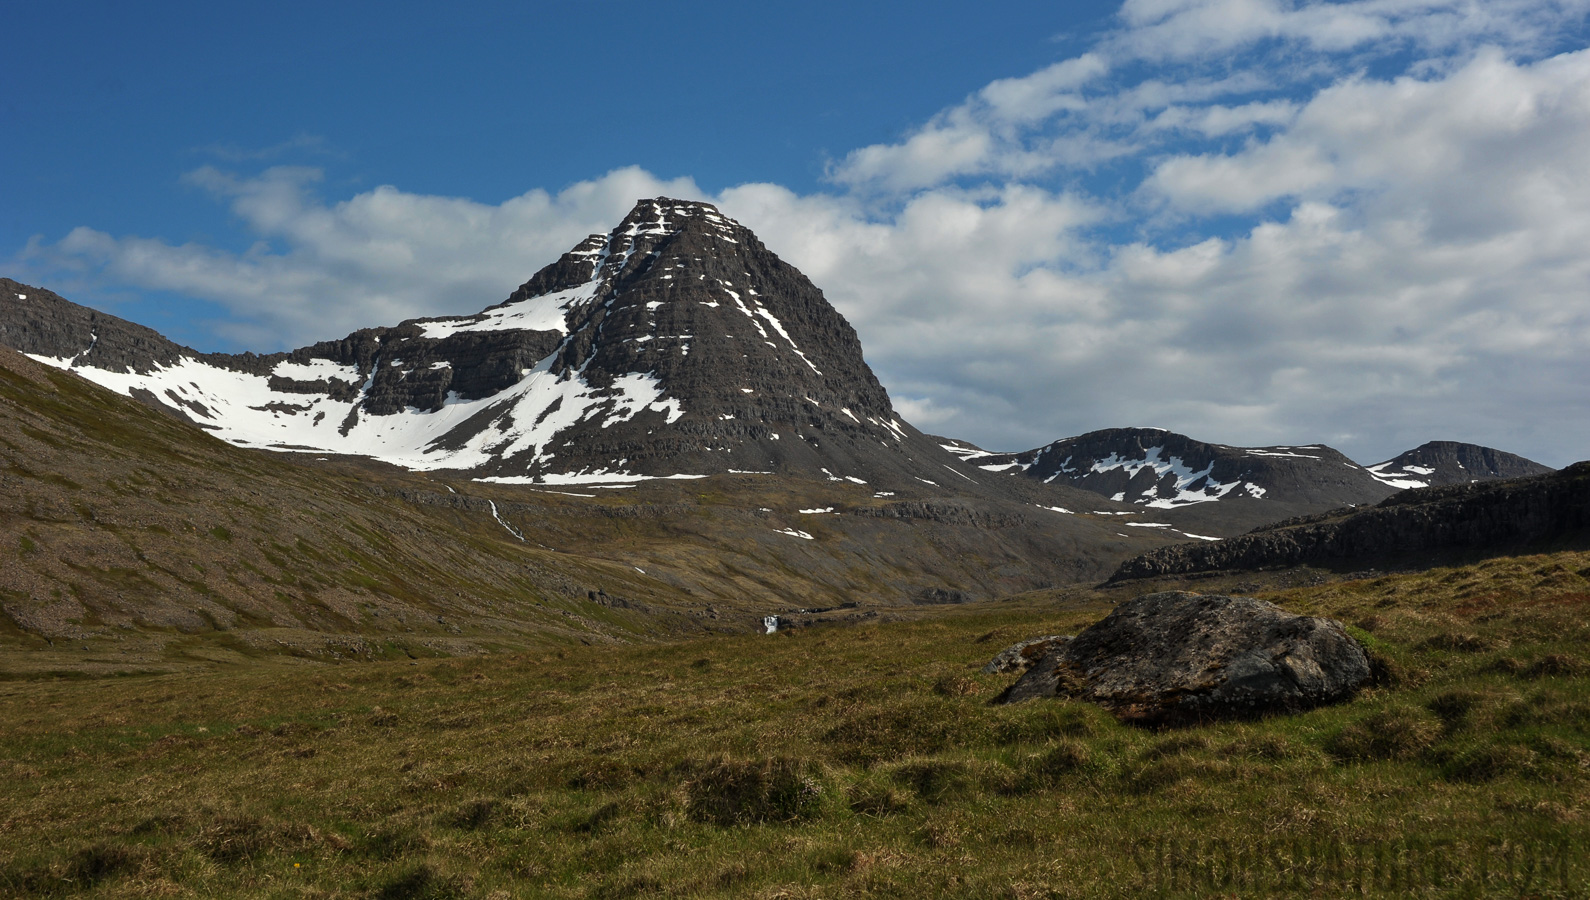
{"type": "Point", "coordinates": [547, 312]}
{"type": "Point", "coordinates": [1189, 486]}
{"type": "Point", "coordinates": [316, 369]}
{"type": "Point", "coordinates": [1392, 479]}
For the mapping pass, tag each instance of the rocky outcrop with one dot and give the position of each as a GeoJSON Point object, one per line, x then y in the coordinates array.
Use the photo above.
{"type": "Point", "coordinates": [1177, 658]}
{"type": "Point", "coordinates": [1022, 655]}
{"type": "Point", "coordinates": [1423, 526]}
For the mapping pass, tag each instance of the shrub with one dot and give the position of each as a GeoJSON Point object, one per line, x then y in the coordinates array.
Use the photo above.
{"type": "Point", "coordinates": [1460, 643]}
{"type": "Point", "coordinates": [1386, 735]}
{"type": "Point", "coordinates": [474, 815]}
{"type": "Point", "coordinates": [423, 882]}
{"type": "Point", "coordinates": [1453, 707]}
{"type": "Point", "coordinates": [728, 792]}
{"type": "Point", "coordinates": [1555, 665]}
{"type": "Point", "coordinates": [1485, 762]}
{"type": "Point", "coordinates": [932, 780]}
{"type": "Point", "coordinates": [1270, 747]}
{"type": "Point", "coordinates": [99, 862]}
{"type": "Point", "coordinates": [876, 800]}
{"type": "Point", "coordinates": [392, 843]}
{"type": "Point", "coordinates": [919, 728]}
{"type": "Point", "coordinates": [1048, 768]}
{"type": "Point", "coordinates": [232, 839]}
{"type": "Point", "coordinates": [1037, 723]}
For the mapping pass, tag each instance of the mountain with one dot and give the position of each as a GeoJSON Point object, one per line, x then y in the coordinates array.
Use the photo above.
{"type": "Point", "coordinates": [1420, 526]}
{"type": "Point", "coordinates": [1215, 489]}
{"type": "Point", "coordinates": [1162, 470]}
{"type": "Point", "coordinates": [1449, 462]}
{"type": "Point", "coordinates": [675, 345]}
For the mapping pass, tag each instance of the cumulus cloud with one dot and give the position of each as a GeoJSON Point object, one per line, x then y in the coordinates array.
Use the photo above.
{"type": "Point", "coordinates": [320, 270]}
{"type": "Point", "coordinates": [1408, 261]}
{"type": "Point", "coordinates": [1251, 221]}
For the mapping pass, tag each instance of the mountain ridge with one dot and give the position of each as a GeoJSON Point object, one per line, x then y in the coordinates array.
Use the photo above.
{"type": "Point", "coordinates": [1226, 489]}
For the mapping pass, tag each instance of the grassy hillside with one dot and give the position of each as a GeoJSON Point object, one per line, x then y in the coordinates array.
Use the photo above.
{"type": "Point", "coordinates": [856, 761]}
{"type": "Point", "coordinates": [133, 542]}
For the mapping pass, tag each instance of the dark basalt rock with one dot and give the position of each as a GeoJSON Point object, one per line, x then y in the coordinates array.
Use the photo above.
{"type": "Point", "coordinates": [1176, 658]}
{"type": "Point", "coordinates": [1422, 526]}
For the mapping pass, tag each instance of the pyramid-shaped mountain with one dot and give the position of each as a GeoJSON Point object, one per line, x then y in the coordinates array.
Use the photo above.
{"type": "Point", "coordinates": [674, 345]}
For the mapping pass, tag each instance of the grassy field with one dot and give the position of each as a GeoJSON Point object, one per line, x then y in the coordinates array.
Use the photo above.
{"type": "Point", "coordinates": [860, 761]}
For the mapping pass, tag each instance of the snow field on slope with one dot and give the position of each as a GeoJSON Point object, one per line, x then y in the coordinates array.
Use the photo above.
{"type": "Point", "coordinates": [1185, 476]}
{"type": "Point", "coordinates": [238, 412]}
{"type": "Point", "coordinates": [543, 313]}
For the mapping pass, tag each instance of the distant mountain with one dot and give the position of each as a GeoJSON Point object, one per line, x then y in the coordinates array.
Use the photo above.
{"type": "Point", "coordinates": [1448, 462]}
{"type": "Point", "coordinates": [1219, 490]}
{"type": "Point", "coordinates": [1160, 469]}
{"type": "Point", "coordinates": [1419, 526]}
{"type": "Point", "coordinates": [674, 345]}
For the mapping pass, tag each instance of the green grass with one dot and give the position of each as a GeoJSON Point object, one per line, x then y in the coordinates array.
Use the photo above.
{"type": "Point", "coordinates": [864, 761]}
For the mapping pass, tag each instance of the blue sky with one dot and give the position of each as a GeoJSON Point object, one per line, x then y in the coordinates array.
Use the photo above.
{"type": "Point", "coordinates": [1361, 223]}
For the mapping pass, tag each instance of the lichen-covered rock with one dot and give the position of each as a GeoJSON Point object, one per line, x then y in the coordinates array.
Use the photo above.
{"type": "Point", "coordinates": [1020, 656]}
{"type": "Point", "coordinates": [1177, 657]}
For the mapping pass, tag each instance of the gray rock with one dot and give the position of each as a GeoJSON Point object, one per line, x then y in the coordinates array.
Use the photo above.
{"type": "Point", "coordinates": [1020, 656]}
{"type": "Point", "coordinates": [1176, 658]}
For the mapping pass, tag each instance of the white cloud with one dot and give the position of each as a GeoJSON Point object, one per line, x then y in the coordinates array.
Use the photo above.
{"type": "Point", "coordinates": [1288, 250]}
{"type": "Point", "coordinates": [1194, 29]}
{"type": "Point", "coordinates": [1425, 278]}
{"type": "Point", "coordinates": [321, 270]}
{"type": "Point", "coordinates": [984, 134]}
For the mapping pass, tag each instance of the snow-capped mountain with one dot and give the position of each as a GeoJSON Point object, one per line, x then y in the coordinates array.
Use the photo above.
{"type": "Point", "coordinates": [1449, 462]}
{"type": "Point", "coordinates": [1162, 470]}
{"type": "Point", "coordinates": [674, 345]}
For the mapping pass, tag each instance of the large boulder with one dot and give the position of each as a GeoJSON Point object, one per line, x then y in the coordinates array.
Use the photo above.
{"type": "Point", "coordinates": [1023, 655]}
{"type": "Point", "coordinates": [1176, 658]}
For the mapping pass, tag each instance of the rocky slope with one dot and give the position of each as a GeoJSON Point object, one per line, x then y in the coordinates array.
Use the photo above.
{"type": "Point", "coordinates": [675, 345]}
{"type": "Point", "coordinates": [1421, 526]}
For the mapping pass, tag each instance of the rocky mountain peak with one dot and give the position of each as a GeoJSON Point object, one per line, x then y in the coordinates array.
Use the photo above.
{"type": "Point", "coordinates": [674, 344]}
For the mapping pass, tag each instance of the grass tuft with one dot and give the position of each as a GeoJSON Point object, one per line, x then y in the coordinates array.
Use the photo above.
{"type": "Point", "coordinates": [732, 792]}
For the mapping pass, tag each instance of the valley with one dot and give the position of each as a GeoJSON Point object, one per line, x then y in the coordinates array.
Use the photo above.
{"type": "Point", "coordinates": [637, 584]}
